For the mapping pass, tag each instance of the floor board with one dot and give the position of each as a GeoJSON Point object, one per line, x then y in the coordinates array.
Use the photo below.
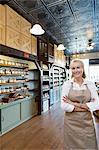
{"type": "Point", "coordinates": [43, 132]}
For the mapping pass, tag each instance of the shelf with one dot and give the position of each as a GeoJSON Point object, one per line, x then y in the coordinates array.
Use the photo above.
{"type": "Point", "coordinates": [12, 74]}
{"type": "Point", "coordinates": [34, 90]}
{"type": "Point", "coordinates": [45, 99]}
{"type": "Point", "coordinates": [8, 83]}
{"type": "Point", "coordinates": [34, 80]}
{"type": "Point", "coordinates": [44, 90]}
{"type": "Point", "coordinates": [45, 70]}
{"type": "Point", "coordinates": [7, 92]}
{"type": "Point", "coordinates": [14, 91]}
{"type": "Point", "coordinates": [3, 105]}
{"type": "Point", "coordinates": [12, 66]}
{"type": "Point", "coordinates": [45, 80]}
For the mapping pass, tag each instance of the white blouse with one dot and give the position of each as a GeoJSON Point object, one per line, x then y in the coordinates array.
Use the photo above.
{"type": "Point", "coordinates": [92, 105]}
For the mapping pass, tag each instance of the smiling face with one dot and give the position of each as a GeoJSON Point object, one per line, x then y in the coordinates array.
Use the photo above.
{"type": "Point", "coordinates": [77, 69]}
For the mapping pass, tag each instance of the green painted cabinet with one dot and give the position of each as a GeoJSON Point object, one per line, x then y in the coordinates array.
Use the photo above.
{"type": "Point", "coordinates": [19, 89]}
{"type": "Point", "coordinates": [10, 117]}
{"type": "Point", "coordinates": [27, 109]}
{"type": "Point", "coordinates": [15, 113]}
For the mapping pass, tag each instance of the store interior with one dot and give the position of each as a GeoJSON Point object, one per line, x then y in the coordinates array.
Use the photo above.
{"type": "Point", "coordinates": [32, 68]}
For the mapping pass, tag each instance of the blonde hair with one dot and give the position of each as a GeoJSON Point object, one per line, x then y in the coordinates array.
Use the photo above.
{"type": "Point", "coordinates": [80, 61]}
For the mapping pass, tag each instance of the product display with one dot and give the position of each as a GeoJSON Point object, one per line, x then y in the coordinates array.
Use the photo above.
{"type": "Point", "coordinates": [13, 76]}
{"type": "Point", "coordinates": [57, 76]}
{"type": "Point", "coordinates": [45, 91]}
{"type": "Point", "coordinates": [19, 89]}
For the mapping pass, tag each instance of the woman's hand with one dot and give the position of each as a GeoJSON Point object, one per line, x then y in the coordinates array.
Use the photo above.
{"type": "Point", "coordinates": [67, 100]}
{"type": "Point", "coordinates": [78, 106]}
{"type": "Point", "coordinates": [78, 109]}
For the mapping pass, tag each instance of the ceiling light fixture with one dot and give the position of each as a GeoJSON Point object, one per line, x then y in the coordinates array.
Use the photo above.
{"type": "Point", "coordinates": [37, 30]}
{"type": "Point", "coordinates": [61, 47]}
{"type": "Point", "coordinates": [90, 45]}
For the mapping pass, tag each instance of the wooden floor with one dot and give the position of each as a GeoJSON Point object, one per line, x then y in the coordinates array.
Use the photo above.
{"type": "Point", "coordinates": [43, 132]}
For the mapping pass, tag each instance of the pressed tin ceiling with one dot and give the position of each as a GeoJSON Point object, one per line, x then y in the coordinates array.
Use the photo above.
{"type": "Point", "coordinates": [73, 22]}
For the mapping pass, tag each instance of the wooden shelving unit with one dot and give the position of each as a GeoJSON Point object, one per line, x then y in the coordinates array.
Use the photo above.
{"type": "Point", "coordinates": [52, 81]}
{"type": "Point", "coordinates": [58, 75]}
{"type": "Point", "coordinates": [46, 90]}
{"type": "Point", "coordinates": [20, 88]}
{"type": "Point", "coordinates": [45, 51]}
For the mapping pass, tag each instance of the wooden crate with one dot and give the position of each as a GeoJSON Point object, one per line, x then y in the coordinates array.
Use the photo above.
{"type": "Point", "coordinates": [25, 44]}
{"type": "Point", "coordinates": [13, 38]}
{"type": "Point", "coordinates": [2, 34]}
{"type": "Point", "coordinates": [34, 46]}
{"type": "Point", "coordinates": [12, 19]}
{"type": "Point", "coordinates": [2, 14]}
{"type": "Point", "coordinates": [25, 27]}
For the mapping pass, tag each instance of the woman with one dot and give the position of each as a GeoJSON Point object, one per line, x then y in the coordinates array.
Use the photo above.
{"type": "Point", "coordinates": [79, 99]}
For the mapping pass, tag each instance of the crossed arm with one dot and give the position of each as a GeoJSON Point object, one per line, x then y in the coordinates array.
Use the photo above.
{"type": "Point", "coordinates": [77, 106]}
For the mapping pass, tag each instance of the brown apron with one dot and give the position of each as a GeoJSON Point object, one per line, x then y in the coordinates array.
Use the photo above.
{"type": "Point", "coordinates": [79, 131]}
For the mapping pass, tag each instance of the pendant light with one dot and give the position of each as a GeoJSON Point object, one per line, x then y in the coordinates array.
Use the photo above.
{"type": "Point", "coordinates": [37, 30]}
{"type": "Point", "coordinates": [60, 46]}
{"type": "Point", "coordinates": [91, 45]}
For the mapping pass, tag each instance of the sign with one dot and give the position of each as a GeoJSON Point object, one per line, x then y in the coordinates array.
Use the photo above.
{"type": "Point", "coordinates": [26, 55]}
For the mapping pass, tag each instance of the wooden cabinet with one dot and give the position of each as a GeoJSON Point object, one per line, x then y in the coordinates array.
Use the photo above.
{"type": "Point", "coordinates": [45, 51]}
{"type": "Point", "coordinates": [10, 117]}
{"type": "Point", "coordinates": [25, 44]}
{"type": "Point", "coordinates": [19, 90]}
{"type": "Point", "coordinates": [25, 27]}
{"type": "Point", "coordinates": [25, 35]}
{"type": "Point", "coordinates": [42, 50]}
{"type": "Point", "coordinates": [17, 31]}
{"type": "Point", "coordinates": [57, 78]}
{"type": "Point", "coordinates": [12, 28]}
{"type": "Point", "coordinates": [12, 19]}
{"type": "Point", "coordinates": [13, 38]}
{"type": "Point", "coordinates": [45, 90]}
{"type": "Point", "coordinates": [15, 113]}
{"type": "Point", "coordinates": [27, 109]}
{"type": "Point", "coordinates": [52, 79]}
